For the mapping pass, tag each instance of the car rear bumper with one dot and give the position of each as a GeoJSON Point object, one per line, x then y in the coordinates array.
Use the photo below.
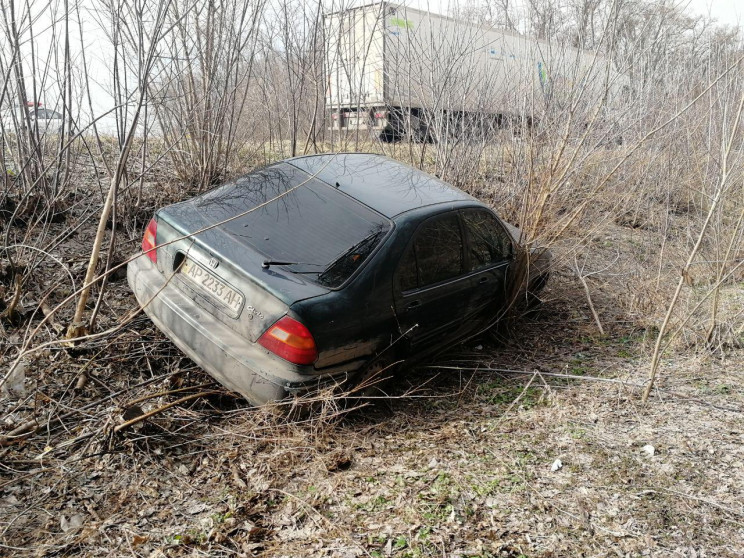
{"type": "Point", "coordinates": [230, 358]}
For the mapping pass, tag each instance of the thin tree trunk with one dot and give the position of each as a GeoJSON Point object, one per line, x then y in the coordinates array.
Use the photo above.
{"type": "Point", "coordinates": [655, 359]}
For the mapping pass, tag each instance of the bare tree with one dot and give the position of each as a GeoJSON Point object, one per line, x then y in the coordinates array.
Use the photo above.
{"type": "Point", "coordinates": [142, 26]}
{"type": "Point", "coordinates": [203, 77]}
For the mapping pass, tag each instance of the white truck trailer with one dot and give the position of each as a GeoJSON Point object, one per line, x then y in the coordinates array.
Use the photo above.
{"type": "Point", "coordinates": [396, 71]}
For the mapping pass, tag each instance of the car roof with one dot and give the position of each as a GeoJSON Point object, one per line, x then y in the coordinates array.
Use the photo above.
{"type": "Point", "coordinates": [387, 186]}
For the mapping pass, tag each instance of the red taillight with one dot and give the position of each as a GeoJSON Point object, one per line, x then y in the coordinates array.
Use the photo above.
{"type": "Point", "coordinates": [149, 240]}
{"type": "Point", "coordinates": [290, 340]}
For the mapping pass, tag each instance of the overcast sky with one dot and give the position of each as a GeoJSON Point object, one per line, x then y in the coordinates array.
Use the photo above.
{"type": "Point", "coordinates": [728, 12]}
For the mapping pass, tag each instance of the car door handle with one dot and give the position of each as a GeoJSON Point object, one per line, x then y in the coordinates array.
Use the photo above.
{"type": "Point", "coordinates": [414, 304]}
{"type": "Point", "coordinates": [483, 280]}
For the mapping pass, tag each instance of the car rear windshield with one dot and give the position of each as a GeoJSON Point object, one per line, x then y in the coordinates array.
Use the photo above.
{"type": "Point", "coordinates": [299, 222]}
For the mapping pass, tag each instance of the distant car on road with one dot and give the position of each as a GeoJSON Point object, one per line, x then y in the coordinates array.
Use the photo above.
{"type": "Point", "coordinates": [47, 121]}
{"type": "Point", "coordinates": [324, 269]}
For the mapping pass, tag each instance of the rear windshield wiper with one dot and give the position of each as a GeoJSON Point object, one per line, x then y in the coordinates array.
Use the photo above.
{"type": "Point", "coordinates": [359, 253]}
{"type": "Point", "coordinates": [346, 263]}
{"type": "Point", "coordinates": [268, 263]}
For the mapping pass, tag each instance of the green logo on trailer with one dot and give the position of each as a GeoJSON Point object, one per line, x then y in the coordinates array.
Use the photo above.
{"type": "Point", "coordinates": [402, 23]}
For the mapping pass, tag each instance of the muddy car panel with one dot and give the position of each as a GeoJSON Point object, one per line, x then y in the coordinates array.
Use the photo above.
{"type": "Point", "coordinates": [327, 245]}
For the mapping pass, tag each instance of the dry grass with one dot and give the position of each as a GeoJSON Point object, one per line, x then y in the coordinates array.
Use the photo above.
{"type": "Point", "coordinates": [463, 467]}
{"type": "Point", "coordinates": [457, 461]}
{"type": "Point", "coordinates": [527, 442]}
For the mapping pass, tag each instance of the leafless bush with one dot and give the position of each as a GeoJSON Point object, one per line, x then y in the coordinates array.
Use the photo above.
{"type": "Point", "coordinates": [630, 170]}
{"type": "Point", "coordinates": [204, 72]}
{"type": "Point", "coordinates": [40, 151]}
{"type": "Point", "coordinates": [288, 94]}
{"type": "Point", "coordinates": [629, 138]}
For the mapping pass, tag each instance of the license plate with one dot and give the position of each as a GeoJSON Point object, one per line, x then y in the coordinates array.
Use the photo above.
{"type": "Point", "coordinates": [213, 286]}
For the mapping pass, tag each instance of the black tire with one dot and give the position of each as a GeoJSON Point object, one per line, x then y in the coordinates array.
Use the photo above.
{"type": "Point", "coordinates": [533, 299]}
{"type": "Point", "coordinates": [370, 381]}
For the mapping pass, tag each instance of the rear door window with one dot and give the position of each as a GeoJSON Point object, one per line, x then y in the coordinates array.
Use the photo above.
{"type": "Point", "coordinates": [435, 254]}
{"type": "Point", "coordinates": [488, 242]}
{"type": "Point", "coordinates": [408, 270]}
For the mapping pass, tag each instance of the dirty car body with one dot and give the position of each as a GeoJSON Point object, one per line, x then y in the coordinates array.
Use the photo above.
{"type": "Point", "coordinates": [309, 271]}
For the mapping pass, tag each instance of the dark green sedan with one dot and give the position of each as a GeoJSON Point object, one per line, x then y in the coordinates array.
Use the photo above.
{"type": "Point", "coordinates": [323, 269]}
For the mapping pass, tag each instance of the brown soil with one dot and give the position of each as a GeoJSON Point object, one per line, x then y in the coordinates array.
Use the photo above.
{"type": "Point", "coordinates": [460, 460]}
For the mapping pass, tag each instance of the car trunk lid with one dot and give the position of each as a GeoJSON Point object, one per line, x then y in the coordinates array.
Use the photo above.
{"type": "Point", "coordinates": [251, 248]}
{"type": "Point", "coordinates": [225, 277]}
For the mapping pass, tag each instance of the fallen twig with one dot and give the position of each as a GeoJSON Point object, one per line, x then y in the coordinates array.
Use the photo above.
{"type": "Point", "coordinates": [47, 311]}
{"type": "Point", "coordinates": [691, 497]}
{"type": "Point", "coordinates": [33, 427]}
{"type": "Point", "coordinates": [149, 414]}
{"type": "Point", "coordinates": [167, 392]}
{"type": "Point", "coordinates": [531, 372]}
{"type": "Point", "coordinates": [519, 397]}
{"type": "Point", "coordinates": [582, 278]}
